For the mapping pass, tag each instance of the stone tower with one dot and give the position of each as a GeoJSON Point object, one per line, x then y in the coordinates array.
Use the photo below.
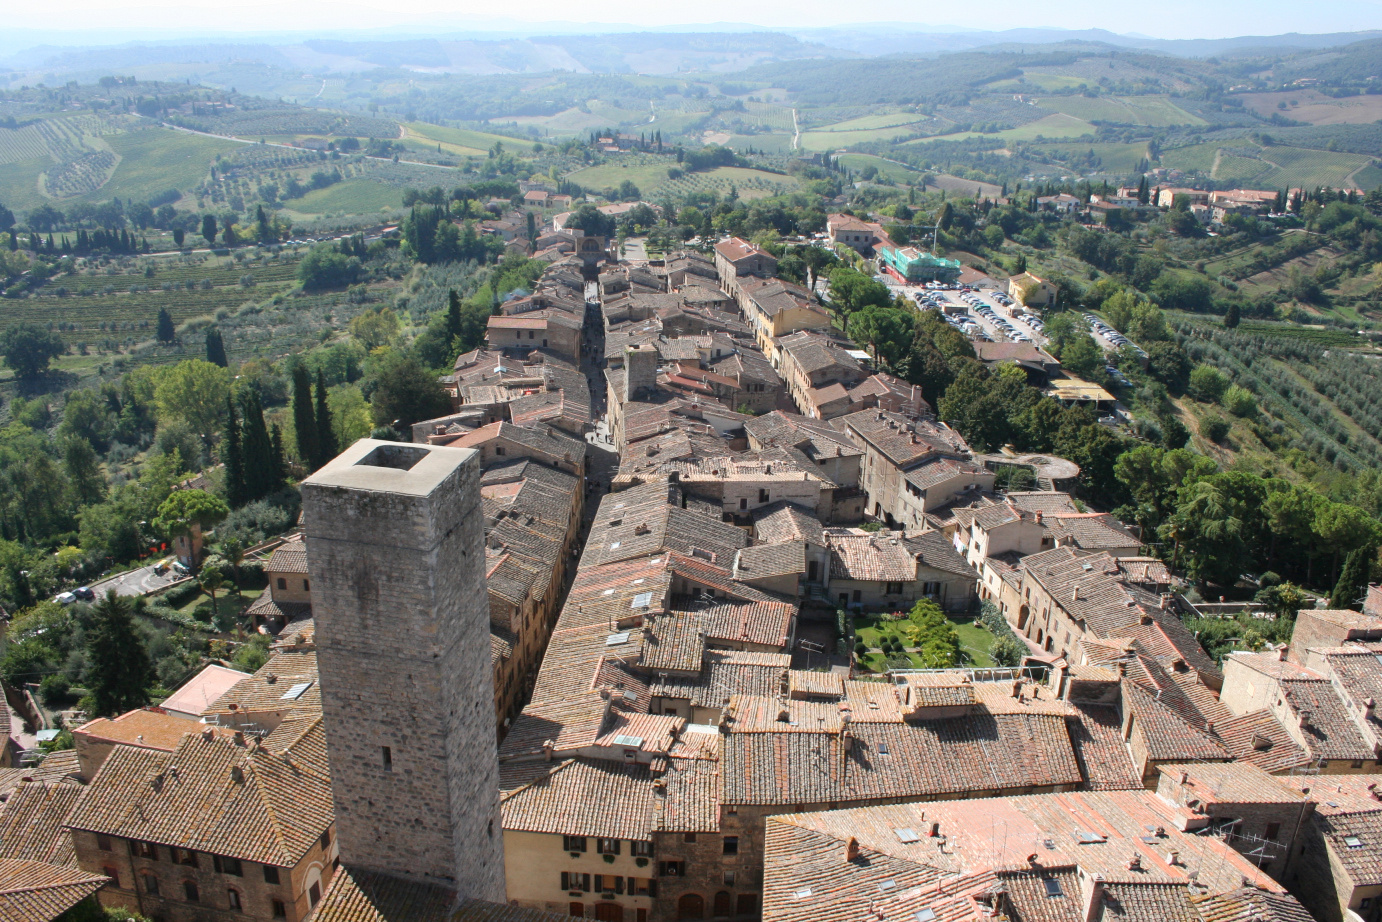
{"type": "Point", "coordinates": [396, 553]}
{"type": "Point", "coordinates": [640, 372]}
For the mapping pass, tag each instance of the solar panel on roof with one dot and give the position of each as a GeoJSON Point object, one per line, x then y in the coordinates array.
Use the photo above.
{"type": "Point", "coordinates": [296, 692]}
{"type": "Point", "coordinates": [613, 640]}
{"type": "Point", "coordinates": [625, 740]}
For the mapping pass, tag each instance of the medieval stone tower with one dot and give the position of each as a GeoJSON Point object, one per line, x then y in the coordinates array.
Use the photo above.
{"type": "Point", "coordinates": [640, 372]}
{"type": "Point", "coordinates": [396, 551]}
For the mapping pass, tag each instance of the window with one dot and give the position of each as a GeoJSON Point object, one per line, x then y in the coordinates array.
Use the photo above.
{"type": "Point", "coordinates": [499, 449]}
{"type": "Point", "coordinates": [743, 502]}
{"type": "Point", "coordinates": [1273, 830]}
{"type": "Point", "coordinates": [574, 880]}
{"type": "Point", "coordinates": [306, 586]}
{"type": "Point", "coordinates": [729, 878]}
{"type": "Point", "coordinates": [642, 886]}
{"type": "Point", "coordinates": [113, 873]}
{"type": "Point", "coordinates": [145, 850]}
{"type": "Point", "coordinates": [282, 583]}
{"type": "Point", "coordinates": [314, 895]}
{"type": "Point", "coordinates": [280, 910]}
{"type": "Point", "coordinates": [270, 874]}
{"type": "Point", "coordinates": [573, 843]}
{"type": "Point", "coordinates": [689, 837]}
{"type": "Point", "coordinates": [186, 857]}
{"type": "Point", "coordinates": [747, 904]}
{"type": "Point", "coordinates": [233, 898]}
{"type": "Point", "coordinates": [1367, 903]}
{"type": "Point", "coordinates": [609, 883]}
{"type": "Point", "coordinates": [229, 866]}
{"type": "Point", "coordinates": [857, 596]}
{"type": "Point", "coordinates": [151, 885]}
{"type": "Point", "coordinates": [189, 890]}
{"type": "Point", "coordinates": [532, 334]}
{"type": "Point", "coordinates": [892, 588]}
{"type": "Point", "coordinates": [641, 849]}
{"type": "Point", "coordinates": [762, 496]}
{"type": "Point", "coordinates": [103, 842]}
{"type": "Point", "coordinates": [326, 839]}
{"type": "Point", "coordinates": [1052, 886]}
{"type": "Point", "coordinates": [731, 845]}
{"type": "Point", "coordinates": [607, 846]}
{"type": "Point", "coordinates": [673, 869]}
{"type": "Point", "coordinates": [386, 757]}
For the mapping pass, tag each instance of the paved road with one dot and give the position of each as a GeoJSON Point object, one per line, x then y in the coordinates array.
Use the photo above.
{"type": "Point", "coordinates": [136, 582]}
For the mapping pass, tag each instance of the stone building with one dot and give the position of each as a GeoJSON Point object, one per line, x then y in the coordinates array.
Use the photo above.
{"type": "Point", "coordinates": [403, 647]}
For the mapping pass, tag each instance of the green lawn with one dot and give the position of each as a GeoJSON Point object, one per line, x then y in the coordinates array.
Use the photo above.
{"type": "Point", "coordinates": [833, 140]}
{"type": "Point", "coordinates": [227, 604]}
{"type": "Point", "coordinates": [1113, 158]}
{"type": "Point", "coordinates": [975, 640]}
{"type": "Point", "coordinates": [891, 169]}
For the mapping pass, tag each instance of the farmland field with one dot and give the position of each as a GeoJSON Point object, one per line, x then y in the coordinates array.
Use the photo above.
{"type": "Point", "coordinates": [359, 196]}
{"type": "Point", "coordinates": [1039, 81]}
{"type": "Point", "coordinates": [1154, 111]}
{"type": "Point", "coordinates": [867, 122]}
{"type": "Point", "coordinates": [459, 141]}
{"type": "Point", "coordinates": [1274, 167]}
{"type": "Point", "coordinates": [1314, 107]}
{"type": "Point", "coordinates": [750, 184]}
{"type": "Point", "coordinates": [1114, 158]}
{"type": "Point", "coordinates": [644, 171]}
{"type": "Point", "coordinates": [894, 171]}
{"type": "Point", "coordinates": [1193, 158]}
{"type": "Point", "coordinates": [834, 140]}
{"type": "Point", "coordinates": [768, 143]}
{"type": "Point", "coordinates": [1059, 125]}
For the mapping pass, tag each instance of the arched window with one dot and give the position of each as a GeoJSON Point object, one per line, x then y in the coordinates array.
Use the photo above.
{"type": "Point", "coordinates": [150, 884]}
{"type": "Point", "coordinates": [691, 906]}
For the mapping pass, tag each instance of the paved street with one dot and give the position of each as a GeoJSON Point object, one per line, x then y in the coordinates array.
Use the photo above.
{"type": "Point", "coordinates": [136, 582]}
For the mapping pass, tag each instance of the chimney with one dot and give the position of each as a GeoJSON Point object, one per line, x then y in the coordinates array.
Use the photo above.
{"type": "Point", "coordinates": [1135, 862]}
{"type": "Point", "coordinates": [237, 774]}
{"type": "Point", "coordinates": [208, 734]}
{"type": "Point", "coordinates": [548, 748]}
{"type": "Point", "coordinates": [1038, 516]}
{"type": "Point", "coordinates": [239, 738]}
{"type": "Point", "coordinates": [1173, 858]}
{"type": "Point", "coordinates": [851, 849]}
{"type": "Point", "coordinates": [934, 830]}
{"type": "Point", "coordinates": [1075, 593]}
{"type": "Point", "coordinates": [1093, 887]}
{"type": "Point", "coordinates": [1184, 777]}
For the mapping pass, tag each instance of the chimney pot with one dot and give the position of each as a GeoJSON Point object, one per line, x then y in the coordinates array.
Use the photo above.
{"type": "Point", "coordinates": [851, 849]}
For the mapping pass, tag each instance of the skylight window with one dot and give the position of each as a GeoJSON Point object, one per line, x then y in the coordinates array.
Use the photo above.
{"type": "Point", "coordinates": [1353, 842]}
{"type": "Point", "coordinates": [926, 915]}
{"type": "Point", "coordinates": [614, 640]}
{"type": "Point", "coordinates": [1052, 886]}
{"type": "Point", "coordinates": [642, 600]}
{"type": "Point", "coordinates": [296, 692]}
{"type": "Point", "coordinates": [886, 885]}
{"type": "Point", "coordinates": [907, 836]}
{"type": "Point", "coordinates": [803, 893]}
{"type": "Point", "coordinates": [625, 740]}
{"type": "Point", "coordinates": [1089, 838]}
{"type": "Point", "coordinates": [882, 748]}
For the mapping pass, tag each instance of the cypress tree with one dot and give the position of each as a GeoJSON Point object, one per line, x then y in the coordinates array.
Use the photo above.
{"type": "Point", "coordinates": [326, 433]}
{"type": "Point", "coordinates": [166, 332]}
{"type": "Point", "coordinates": [453, 316]}
{"type": "Point", "coordinates": [278, 471]}
{"type": "Point", "coordinates": [260, 466]}
{"type": "Point", "coordinates": [233, 456]}
{"type": "Point", "coordinates": [304, 421]}
{"type": "Point", "coordinates": [1353, 578]}
{"type": "Point", "coordinates": [216, 348]}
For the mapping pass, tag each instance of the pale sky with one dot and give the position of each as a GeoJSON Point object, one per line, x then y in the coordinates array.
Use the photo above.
{"type": "Point", "coordinates": [1167, 19]}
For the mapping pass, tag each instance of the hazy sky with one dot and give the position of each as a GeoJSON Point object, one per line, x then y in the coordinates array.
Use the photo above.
{"type": "Point", "coordinates": [1167, 19]}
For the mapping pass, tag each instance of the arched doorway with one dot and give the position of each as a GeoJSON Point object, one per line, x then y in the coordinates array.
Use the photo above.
{"type": "Point", "coordinates": [1023, 614]}
{"type": "Point", "coordinates": [691, 906]}
{"type": "Point", "coordinates": [724, 905]}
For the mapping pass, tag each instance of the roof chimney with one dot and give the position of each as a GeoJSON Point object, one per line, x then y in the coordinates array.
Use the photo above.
{"type": "Point", "coordinates": [1075, 593]}
{"type": "Point", "coordinates": [1135, 862]}
{"type": "Point", "coordinates": [1038, 516]}
{"type": "Point", "coordinates": [548, 747]}
{"type": "Point", "coordinates": [1093, 887]}
{"type": "Point", "coordinates": [851, 849]}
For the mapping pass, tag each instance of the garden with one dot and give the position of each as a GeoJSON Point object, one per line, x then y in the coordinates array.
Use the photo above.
{"type": "Point", "coordinates": [926, 638]}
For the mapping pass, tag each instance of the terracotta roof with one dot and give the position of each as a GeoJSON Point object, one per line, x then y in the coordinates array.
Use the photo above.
{"type": "Point", "coordinates": [211, 796]}
{"type": "Point", "coordinates": [289, 557]}
{"type": "Point", "coordinates": [878, 557]}
{"type": "Point", "coordinates": [1249, 904]}
{"type": "Point", "coordinates": [1259, 739]}
{"type": "Point", "coordinates": [35, 891]}
{"type": "Point", "coordinates": [758, 622]}
{"type": "Point", "coordinates": [198, 692]}
{"type": "Point", "coordinates": [1232, 783]}
{"type": "Point", "coordinates": [356, 895]}
{"type": "Point", "coordinates": [784, 521]}
{"type": "Point", "coordinates": [1329, 730]}
{"type": "Point", "coordinates": [1097, 738]}
{"type": "Point", "coordinates": [144, 728]}
{"type": "Point", "coordinates": [583, 797]}
{"type": "Point", "coordinates": [764, 561]}
{"type": "Point", "coordinates": [1166, 733]}
{"type": "Point", "coordinates": [270, 688]}
{"type": "Point", "coordinates": [32, 823]}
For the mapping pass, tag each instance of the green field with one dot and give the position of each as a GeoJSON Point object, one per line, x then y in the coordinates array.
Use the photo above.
{"type": "Point", "coordinates": [867, 122]}
{"type": "Point", "coordinates": [1114, 158]}
{"type": "Point", "coordinates": [645, 172]}
{"type": "Point", "coordinates": [141, 162]}
{"type": "Point", "coordinates": [768, 143]}
{"type": "Point", "coordinates": [894, 171]}
{"type": "Point", "coordinates": [460, 141]}
{"type": "Point", "coordinates": [1274, 167]}
{"type": "Point", "coordinates": [1153, 111]}
{"type": "Point", "coordinates": [1033, 81]}
{"type": "Point", "coordinates": [358, 196]}
{"type": "Point", "coordinates": [749, 184]}
{"type": "Point", "coordinates": [1194, 158]}
{"type": "Point", "coordinates": [594, 115]}
{"type": "Point", "coordinates": [834, 140]}
{"type": "Point", "coordinates": [1059, 125]}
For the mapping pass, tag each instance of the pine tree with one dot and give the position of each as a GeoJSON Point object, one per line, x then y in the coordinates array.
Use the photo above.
{"type": "Point", "coordinates": [1232, 316]}
{"type": "Point", "coordinates": [326, 433]}
{"type": "Point", "coordinates": [232, 454]}
{"type": "Point", "coordinates": [304, 420]}
{"type": "Point", "coordinates": [118, 671]}
{"type": "Point", "coordinates": [166, 333]}
{"type": "Point", "coordinates": [216, 348]}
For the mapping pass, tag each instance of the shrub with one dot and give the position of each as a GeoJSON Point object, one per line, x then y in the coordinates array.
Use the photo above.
{"type": "Point", "coordinates": [1216, 430]}
{"type": "Point", "coordinates": [860, 649]}
{"type": "Point", "coordinates": [56, 691]}
{"type": "Point", "coordinates": [1207, 383]}
{"type": "Point", "coordinates": [1240, 402]}
{"type": "Point", "coordinates": [1008, 651]}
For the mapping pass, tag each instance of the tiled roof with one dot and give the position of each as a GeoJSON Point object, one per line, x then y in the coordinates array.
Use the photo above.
{"type": "Point", "coordinates": [764, 561]}
{"type": "Point", "coordinates": [289, 557]}
{"type": "Point", "coordinates": [585, 797]}
{"type": "Point", "coordinates": [31, 822]}
{"type": "Point", "coordinates": [1097, 737]}
{"type": "Point", "coordinates": [902, 441]}
{"type": "Point", "coordinates": [1166, 733]}
{"type": "Point", "coordinates": [1091, 531]}
{"type": "Point", "coordinates": [1329, 730]}
{"type": "Point", "coordinates": [144, 728]}
{"type": "Point", "coordinates": [757, 622]}
{"type": "Point", "coordinates": [727, 673]}
{"type": "Point", "coordinates": [1361, 862]}
{"type": "Point", "coordinates": [932, 549]}
{"type": "Point", "coordinates": [356, 895]}
{"type": "Point", "coordinates": [784, 521]}
{"type": "Point", "coordinates": [1232, 783]}
{"type": "Point", "coordinates": [1249, 904]}
{"type": "Point", "coordinates": [956, 755]}
{"type": "Point", "coordinates": [675, 642]}
{"type": "Point", "coordinates": [1259, 739]}
{"type": "Point", "coordinates": [267, 688]}
{"type": "Point", "coordinates": [35, 891]}
{"type": "Point", "coordinates": [878, 557]}
{"type": "Point", "coordinates": [210, 796]}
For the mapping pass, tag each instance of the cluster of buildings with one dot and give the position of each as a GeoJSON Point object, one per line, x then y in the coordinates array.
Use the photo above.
{"type": "Point", "coordinates": [479, 708]}
{"type": "Point", "coordinates": [908, 264]}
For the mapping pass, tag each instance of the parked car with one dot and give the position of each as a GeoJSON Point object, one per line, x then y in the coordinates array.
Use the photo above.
{"type": "Point", "coordinates": [85, 593]}
{"type": "Point", "coordinates": [65, 598]}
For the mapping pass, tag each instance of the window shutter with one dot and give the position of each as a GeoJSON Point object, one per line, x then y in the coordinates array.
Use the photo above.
{"type": "Point", "coordinates": [565, 880]}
